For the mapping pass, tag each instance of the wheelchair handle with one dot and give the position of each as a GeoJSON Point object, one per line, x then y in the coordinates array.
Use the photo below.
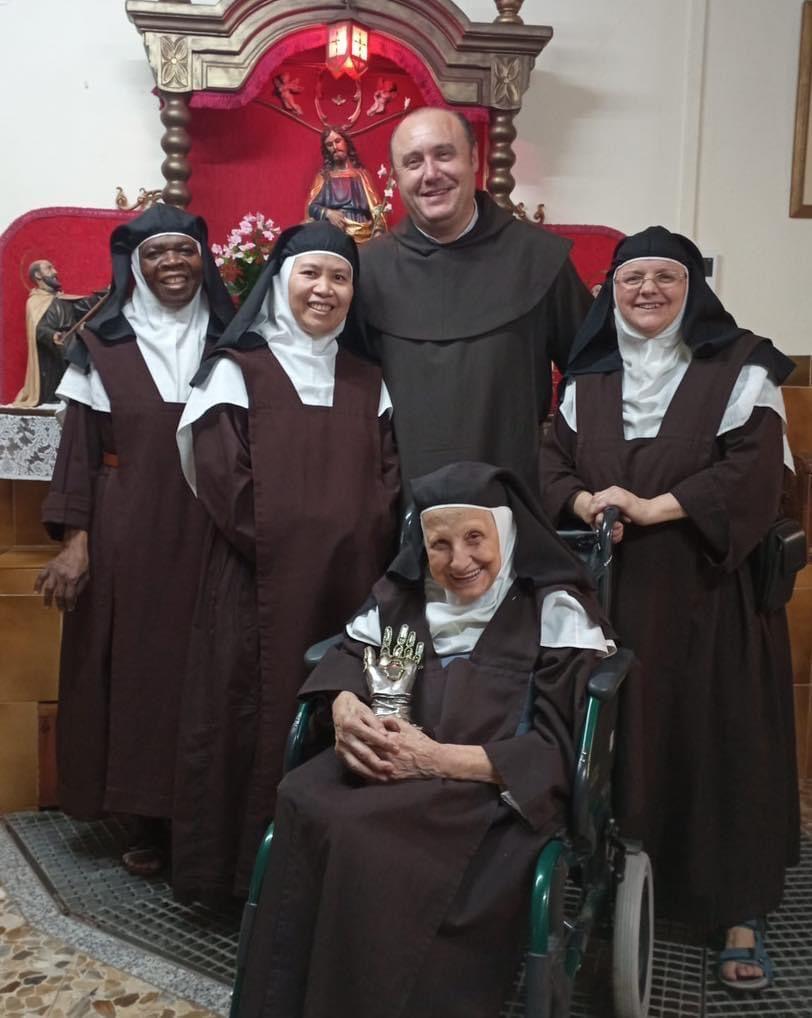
{"type": "Point", "coordinates": [611, 514]}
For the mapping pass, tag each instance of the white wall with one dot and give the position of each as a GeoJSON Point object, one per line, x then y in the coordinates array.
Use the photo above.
{"type": "Point", "coordinates": [639, 111]}
{"type": "Point", "coordinates": [748, 121]}
{"type": "Point", "coordinates": [77, 116]}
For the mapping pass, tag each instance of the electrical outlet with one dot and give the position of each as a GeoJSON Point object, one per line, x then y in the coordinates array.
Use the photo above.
{"type": "Point", "coordinates": [711, 260]}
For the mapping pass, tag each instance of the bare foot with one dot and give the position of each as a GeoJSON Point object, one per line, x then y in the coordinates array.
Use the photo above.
{"type": "Point", "coordinates": [740, 936]}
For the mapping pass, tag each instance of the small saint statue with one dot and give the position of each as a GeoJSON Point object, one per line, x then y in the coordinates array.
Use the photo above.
{"type": "Point", "coordinates": [49, 314]}
{"type": "Point", "coordinates": [343, 192]}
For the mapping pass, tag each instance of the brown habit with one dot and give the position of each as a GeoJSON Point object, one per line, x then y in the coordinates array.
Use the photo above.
{"type": "Point", "coordinates": [710, 728]}
{"type": "Point", "coordinates": [303, 502]}
{"type": "Point", "coordinates": [124, 647]}
{"type": "Point", "coordinates": [466, 332]}
{"type": "Point", "coordinates": [410, 899]}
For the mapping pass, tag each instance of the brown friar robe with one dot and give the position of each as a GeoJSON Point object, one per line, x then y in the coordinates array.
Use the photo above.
{"type": "Point", "coordinates": [466, 333]}
{"type": "Point", "coordinates": [709, 726]}
{"type": "Point", "coordinates": [302, 500]}
{"type": "Point", "coordinates": [124, 647]}
{"type": "Point", "coordinates": [410, 899]}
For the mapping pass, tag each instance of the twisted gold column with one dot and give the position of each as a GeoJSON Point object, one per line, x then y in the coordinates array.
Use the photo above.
{"type": "Point", "coordinates": [175, 116]}
{"type": "Point", "coordinates": [501, 157]}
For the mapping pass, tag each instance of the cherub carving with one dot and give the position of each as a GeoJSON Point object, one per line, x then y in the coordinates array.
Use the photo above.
{"type": "Point", "coordinates": [285, 88]}
{"type": "Point", "coordinates": [382, 96]}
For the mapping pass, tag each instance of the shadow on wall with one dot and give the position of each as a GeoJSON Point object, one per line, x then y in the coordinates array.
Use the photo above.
{"type": "Point", "coordinates": [551, 110]}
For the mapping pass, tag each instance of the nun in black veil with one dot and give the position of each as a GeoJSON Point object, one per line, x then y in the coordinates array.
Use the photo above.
{"type": "Point", "coordinates": [286, 440]}
{"type": "Point", "coordinates": [130, 527]}
{"type": "Point", "coordinates": [674, 414]}
{"type": "Point", "coordinates": [402, 861]}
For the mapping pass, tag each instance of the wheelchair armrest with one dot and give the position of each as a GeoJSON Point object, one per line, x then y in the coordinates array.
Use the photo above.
{"type": "Point", "coordinates": [314, 654]}
{"type": "Point", "coordinates": [591, 789]}
{"type": "Point", "coordinates": [297, 736]}
{"type": "Point", "coordinates": [607, 678]}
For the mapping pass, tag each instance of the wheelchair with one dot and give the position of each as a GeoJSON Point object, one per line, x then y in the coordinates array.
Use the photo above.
{"type": "Point", "coordinates": [586, 876]}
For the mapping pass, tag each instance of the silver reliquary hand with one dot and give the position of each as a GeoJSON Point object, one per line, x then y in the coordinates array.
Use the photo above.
{"type": "Point", "coordinates": [390, 676]}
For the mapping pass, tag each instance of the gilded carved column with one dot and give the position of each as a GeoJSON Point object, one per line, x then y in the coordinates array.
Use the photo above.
{"type": "Point", "coordinates": [501, 157]}
{"type": "Point", "coordinates": [509, 79]}
{"type": "Point", "coordinates": [175, 117]}
{"type": "Point", "coordinates": [174, 82]}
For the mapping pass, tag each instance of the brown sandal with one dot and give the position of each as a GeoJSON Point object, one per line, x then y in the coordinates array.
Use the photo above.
{"type": "Point", "coordinates": [144, 860]}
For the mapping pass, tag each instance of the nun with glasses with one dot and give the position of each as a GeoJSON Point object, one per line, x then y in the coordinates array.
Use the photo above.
{"type": "Point", "coordinates": [674, 414]}
{"type": "Point", "coordinates": [286, 441]}
{"type": "Point", "coordinates": [131, 529]}
{"type": "Point", "coordinates": [402, 859]}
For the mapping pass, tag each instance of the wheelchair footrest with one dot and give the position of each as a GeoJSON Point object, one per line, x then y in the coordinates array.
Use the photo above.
{"type": "Point", "coordinates": [546, 983]}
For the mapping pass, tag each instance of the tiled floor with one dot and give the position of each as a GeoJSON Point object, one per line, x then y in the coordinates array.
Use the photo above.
{"type": "Point", "coordinates": [57, 966]}
{"type": "Point", "coordinates": [79, 865]}
{"type": "Point", "coordinates": [78, 970]}
{"type": "Point", "coordinates": [41, 975]}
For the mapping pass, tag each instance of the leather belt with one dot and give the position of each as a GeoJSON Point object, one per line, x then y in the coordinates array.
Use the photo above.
{"type": "Point", "coordinates": [110, 459]}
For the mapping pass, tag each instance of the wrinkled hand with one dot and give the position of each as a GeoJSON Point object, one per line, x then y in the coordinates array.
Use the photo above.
{"type": "Point", "coordinates": [632, 509]}
{"type": "Point", "coordinates": [411, 753]}
{"type": "Point", "coordinates": [394, 671]}
{"type": "Point", "coordinates": [64, 578]}
{"type": "Point", "coordinates": [584, 507]}
{"type": "Point", "coordinates": [362, 742]}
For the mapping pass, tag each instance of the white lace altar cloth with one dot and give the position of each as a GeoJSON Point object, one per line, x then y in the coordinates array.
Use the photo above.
{"type": "Point", "coordinates": [28, 444]}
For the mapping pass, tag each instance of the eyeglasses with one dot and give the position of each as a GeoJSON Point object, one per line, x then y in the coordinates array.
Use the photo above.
{"type": "Point", "coordinates": [665, 279]}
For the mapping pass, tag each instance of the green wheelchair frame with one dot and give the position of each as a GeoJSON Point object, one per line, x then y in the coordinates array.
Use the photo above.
{"type": "Point", "coordinates": [604, 869]}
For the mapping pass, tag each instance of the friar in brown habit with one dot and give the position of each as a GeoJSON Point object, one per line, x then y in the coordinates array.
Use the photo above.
{"type": "Point", "coordinates": [466, 308]}
{"type": "Point", "coordinates": [673, 413]}
{"type": "Point", "coordinates": [400, 871]}
{"type": "Point", "coordinates": [288, 442]}
{"type": "Point", "coordinates": [131, 529]}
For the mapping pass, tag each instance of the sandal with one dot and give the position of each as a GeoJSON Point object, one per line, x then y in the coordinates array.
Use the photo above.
{"type": "Point", "coordinates": [756, 955]}
{"type": "Point", "coordinates": [144, 860]}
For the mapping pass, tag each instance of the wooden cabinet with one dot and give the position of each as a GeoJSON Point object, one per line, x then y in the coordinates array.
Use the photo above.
{"type": "Point", "coordinates": [29, 654]}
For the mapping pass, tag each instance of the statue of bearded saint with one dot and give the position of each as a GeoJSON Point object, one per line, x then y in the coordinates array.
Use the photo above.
{"type": "Point", "coordinates": [49, 314]}
{"type": "Point", "coordinates": [343, 192]}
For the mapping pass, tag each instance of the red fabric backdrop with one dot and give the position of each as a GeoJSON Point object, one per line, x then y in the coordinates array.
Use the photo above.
{"type": "Point", "coordinates": [592, 249]}
{"type": "Point", "coordinates": [591, 254]}
{"type": "Point", "coordinates": [77, 242]}
{"type": "Point", "coordinates": [269, 157]}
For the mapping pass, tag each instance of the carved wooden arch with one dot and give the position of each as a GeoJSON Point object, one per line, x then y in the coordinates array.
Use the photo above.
{"type": "Point", "coordinates": [193, 48]}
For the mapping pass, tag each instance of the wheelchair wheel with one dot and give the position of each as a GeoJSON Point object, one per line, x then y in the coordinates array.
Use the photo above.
{"type": "Point", "coordinates": [633, 938]}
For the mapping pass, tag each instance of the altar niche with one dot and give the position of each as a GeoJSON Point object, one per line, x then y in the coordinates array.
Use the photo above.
{"type": "Point", "coordinates": [223, 56]}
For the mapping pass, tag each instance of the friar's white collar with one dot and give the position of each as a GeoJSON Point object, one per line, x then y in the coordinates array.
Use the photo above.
{"type": "Point", "coordinates": [471, 224]}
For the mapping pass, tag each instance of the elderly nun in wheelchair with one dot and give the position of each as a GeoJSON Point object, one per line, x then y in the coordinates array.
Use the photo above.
{"type": "Point", "coordinates": [401, 865]}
